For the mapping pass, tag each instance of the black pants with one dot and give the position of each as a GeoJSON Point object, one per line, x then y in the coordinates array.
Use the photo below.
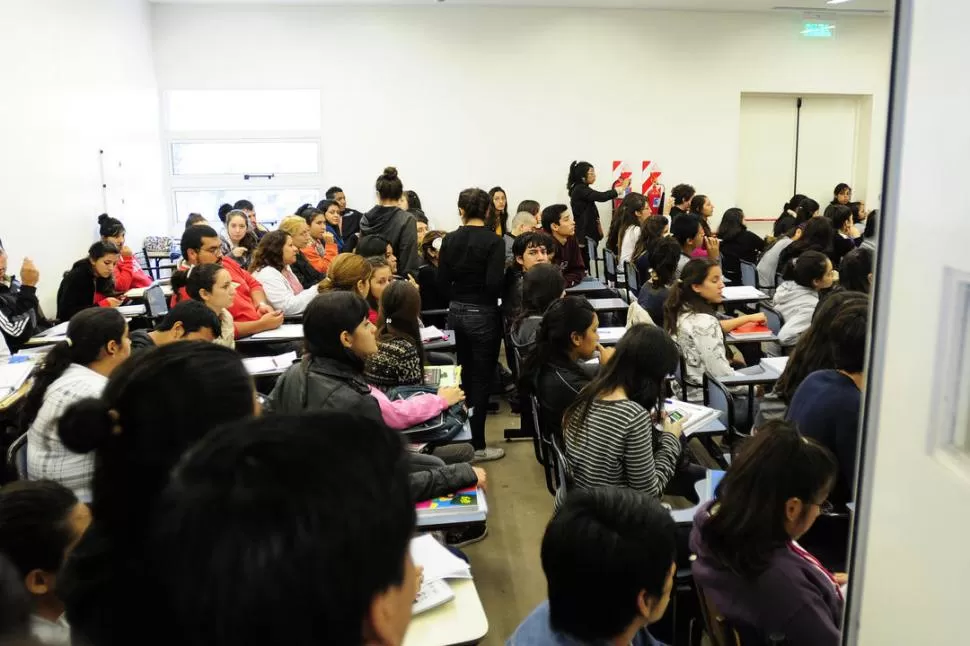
{"type": "Point", "coordinates": [478, 337]}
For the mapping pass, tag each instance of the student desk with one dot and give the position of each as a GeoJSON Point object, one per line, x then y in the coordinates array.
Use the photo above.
{"type": "Point", "coordinates": [611, 335]}
{"type": "Point", "coordinates": [609, 304]}
{"type": "Point", "coordinates": [58, 333]}
{"type": "Point", "coordinates": [705, 492]}
{"type": "Point", "coordinates": [590, 286]}
{"type": "Point", "coordinates": [446, 344]}
{"type": "Point", "coordinates": [460, 621]}
{"type": "Point", "coordinates": [285, 332]}
{"type": "Point", "coordinates": [738, 339]}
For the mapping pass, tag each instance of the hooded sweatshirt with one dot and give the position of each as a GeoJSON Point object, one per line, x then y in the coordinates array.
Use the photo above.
{"type": "Point", "coordinates": [397, 227]}
{"type": "Point", "coordinates": [793, 596]}
{"type": "Point", "coordinates": [797, 305]}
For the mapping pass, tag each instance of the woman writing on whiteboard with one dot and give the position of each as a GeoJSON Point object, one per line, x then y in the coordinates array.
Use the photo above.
{"type": "Point", "coordinates": [583, 199]}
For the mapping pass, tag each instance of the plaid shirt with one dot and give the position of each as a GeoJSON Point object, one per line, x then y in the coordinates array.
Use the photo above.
{"type": "Point", "coordinates": [47, 458]}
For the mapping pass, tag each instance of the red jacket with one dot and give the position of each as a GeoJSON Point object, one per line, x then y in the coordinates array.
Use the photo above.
{"type": "Point", "coordinates": [129, 274]}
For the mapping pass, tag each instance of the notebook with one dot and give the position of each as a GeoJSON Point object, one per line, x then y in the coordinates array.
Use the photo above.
{"type": "Point", "coordinates": [464, 502]}
{"type": "Point", "coordinates": [285, 332]}
{"type": "Point", "coordinates": [611, 334]}
{"type": "Point", "coordinates": [431, 333]}
{"type": "Point", "coordinates": [433, 593]}
{"type": "Point", "coordinates": [743, 292]}
{"type": "Point", "coordinates": [269, 365]}
{"type": "Point", "coordinates": [693, 416]}
{"type": "Point", "coordinates": [751, 331]}
{"type": "Point", "coordinates": [13, 375]}
{"type": "Point", "coordinates": [775, 364]}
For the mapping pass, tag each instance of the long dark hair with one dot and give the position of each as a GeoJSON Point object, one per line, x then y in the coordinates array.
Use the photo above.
{"type": "Point", "coordinates": [817, 236]}
{"type": "Point", "coordinates": [88, 332]}
{"type": "Point", "coordinates": [651, 232]}
{"type": "Point", "coordinates": [577, 174]}
{"type": "Point", "coordinates": [249, 241]}
{"type": "Point", "coordinates": [871, 224]}
{"type": "Point", "coordinates": [565, 317]}
{"type": "Point", "coordinates": [749, 519]}
{"type": "Point", "coordinates": [325, 318]}
{"type": "Point", "coordinates": [732, 224]}
{"type": "Point", "coordinates": [99, 250]}
{"type": "Point", "coordinates": [495, 218]}
{"type": "Point", "coordinates": [542, 286]}
{"type": "Point", "coordinates": [814, 348]}
{"type": "Point", "coordinates": [154, 407]}
{"type": "Point", "coordinates": [269, 253]}
{"type": "Point", "coordinates": [624, 218]}
{"type": "Point", "coordinates": [644, 357]}
{"type": "Point", "coordinates": [855, 270]}
{"type": "Point", "coordinates": [806, 268]}
{"type": "Point", "coordinates": [682, 295]}
{"type": "Point", "coordinates": [806, 210]}
{"type": "Point", "coordinates": [195, 279]}
{"type": "Point", "coordinates": [663, 263]}
{"type": "Point", "coordinates": [400, 309]}
{"type": "Point", "coordinates": [792, 204]}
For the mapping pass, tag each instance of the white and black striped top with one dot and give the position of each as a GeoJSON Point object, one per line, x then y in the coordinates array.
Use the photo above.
{"type": "Point", "coordinates": [614, 447]}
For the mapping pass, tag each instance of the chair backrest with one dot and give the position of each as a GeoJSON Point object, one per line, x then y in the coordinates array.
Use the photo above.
{"type": "Point", "coordinates": [564, 476]}
{"type": "Point", "coordinates": [17, 456]}
{"type": "Point", "coordinates": [775, 319]}
{"type": "Point", "coordinates": [718, 397]}
{"type": "Point", "coordinates": [545, 444]}
{"type": "Point", "coordinates": [609, 267]}
{"type": "Point", "coordinates": [591, 246]}
{"type": "Point", "coordinates": [155, 302]}
{"type": "Point", "coordinates": [632, 278]}
{"type": "Point", "coordinates": [749, 274]}
{"type": "Point", "coordinates": [718, 628]}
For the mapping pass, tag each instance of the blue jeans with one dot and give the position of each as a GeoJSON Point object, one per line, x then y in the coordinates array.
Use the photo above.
{"type": "Point", "coordinates": [478, 337]}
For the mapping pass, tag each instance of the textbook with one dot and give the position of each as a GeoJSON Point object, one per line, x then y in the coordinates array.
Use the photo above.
{"type": "Point", "coordinates": [467, 502]}
{"type": "Point", "coordinates": [750, 331]}
{"type": "Point", "coordinates": [693, 416]}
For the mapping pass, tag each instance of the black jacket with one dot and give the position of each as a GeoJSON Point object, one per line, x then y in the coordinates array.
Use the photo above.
{"type": "Point", "coordinates": [397, 227]}
{"type": "Point", "coordinates": [323, 384]}
{"type": "Point", "coordinates": [582, 200]}
{"type": "Point", "coordinates": [431, 298]}
{"type": "Point", "coordinates": [305, 273]}
{"type": "Point", "coordinates": [78, 288]}
{"type": "Point", "coordinates": [19, 314]}
{"type": "Point", "coordinates": [512, 294]}
{"type": "Point", "coordinates": [557, 386]}
{"type": "Point", "coordinates": [745, 246]}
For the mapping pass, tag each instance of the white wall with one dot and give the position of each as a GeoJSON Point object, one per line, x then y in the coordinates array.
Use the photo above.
{"type": "Point", "coordinates": [77, 77]}
{"type": "Point", "coordinates": [460, 96]}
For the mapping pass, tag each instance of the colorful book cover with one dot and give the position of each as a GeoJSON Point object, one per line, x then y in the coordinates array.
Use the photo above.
{"type": "Point", "coordinates": [463, 498]}
{"type": "Point", "coordinates": [751, 328]}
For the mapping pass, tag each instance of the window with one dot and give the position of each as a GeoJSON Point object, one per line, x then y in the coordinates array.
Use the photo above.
{"type": "Point", "coordinates": [227, 145]}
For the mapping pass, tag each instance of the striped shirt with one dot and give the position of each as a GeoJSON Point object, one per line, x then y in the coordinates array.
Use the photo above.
{"type": "Point", "coordinates": [614, 446]}
{"type": "Point", "coordinates": [47, 457]}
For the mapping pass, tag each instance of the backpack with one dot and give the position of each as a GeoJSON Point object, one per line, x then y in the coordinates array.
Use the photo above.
{"type": "Point", "coordinates": [438, 430]}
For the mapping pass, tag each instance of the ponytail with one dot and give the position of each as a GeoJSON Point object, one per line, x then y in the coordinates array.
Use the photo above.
{"type": "Point", "coordinates": [194, 280]}
{"type": "Point", "coordinates": [565, 317]}
{"type": "Point", "coordinates": [88, 333]}
{"type": "Point", "coordinates": [577, 174]}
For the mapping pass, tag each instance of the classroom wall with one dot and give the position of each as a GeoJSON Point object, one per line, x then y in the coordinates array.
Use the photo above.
{"type": "Point", "coordinates": [459, 96]}
{"type": "Point", "coordinates": [77, 78]}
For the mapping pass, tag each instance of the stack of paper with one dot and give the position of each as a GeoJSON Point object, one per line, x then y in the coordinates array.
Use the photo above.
{"type": "Point", "coordinates": [13, 376]}
{"type": "Point", "coordinates": [611, 335]}
{"type": "Point", "coordinates": [285, 332]}
{"type": "Point", "coordinates": [743, 293]}
{"type": "Point", "coordinates": [431, 333]}
{"type": "Point", "coordinates": [57, 330]}
{"type": "Point", "coordinates": [439, 564]}
{"type": "Point", "coordinates": [130, 311]}
{"type": "Point", "coordinates": [775, 364]}
{"type": "Point", "coordinates": [269, 365]}
{"type": "Point", "coordinates": [693, 416]}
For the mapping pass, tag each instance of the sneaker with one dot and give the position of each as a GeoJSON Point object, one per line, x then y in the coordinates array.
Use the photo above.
{"type": "Point", "coordinates": [488, 454]}
{"type": "Point", "coordinates": [466, 535]}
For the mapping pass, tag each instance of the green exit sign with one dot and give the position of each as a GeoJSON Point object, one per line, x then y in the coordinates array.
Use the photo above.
{"type": "Point", "coordinates": [818, 30]}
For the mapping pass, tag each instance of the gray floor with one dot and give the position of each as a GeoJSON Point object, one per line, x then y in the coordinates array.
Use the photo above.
{"type": "Point", "coordinates": [506, 566]}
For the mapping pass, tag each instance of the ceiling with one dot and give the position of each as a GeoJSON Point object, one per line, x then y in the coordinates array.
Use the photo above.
{"type": "Point", "coordinates": [853, 6]}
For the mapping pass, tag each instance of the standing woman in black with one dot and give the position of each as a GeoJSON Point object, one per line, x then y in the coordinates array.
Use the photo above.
{"type": "Point", "coordinates": [583, 199]}
{"type": "Point", "coordinates": [471, 269]}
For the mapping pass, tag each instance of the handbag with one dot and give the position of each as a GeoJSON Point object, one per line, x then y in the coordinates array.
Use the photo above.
{"type": "Point", "coordinates": [438, 430]}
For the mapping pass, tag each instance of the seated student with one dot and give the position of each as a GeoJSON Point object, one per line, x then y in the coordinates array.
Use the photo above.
{"type": "Point", "coordinates": [843, 241]}
{"type": "Point", "coordinates": [431, 298]}
{"type": "Point", "coordinates": [239, 242]}
{"type": "Point", "coordinates": [870, 234]}
{"type": "Point", "coordinates": [522, 223]}
{"type": "Point", "coordinates": [531, 207]}
{"type": "Point", "coordinates": [20, 312]}
{"type": "Point", "coordinates": [689, 234]}
{"type": "Point", "coordinates": [817, 236]}
{"type": "Point", "coordinates": [608, 556]}
{"type": "Point", "coordinates": [211, 285]}
{"type": "Point", "coordinates": [842, 195]}
{"type": "Point", "coordinates": [331, 213]}
{"type": "Point", "coordinates": [798, 295]}
{"type": "Point", "coordinates": [702, 209]}
{"type": "Point", "coordinates": [349, 218]}
{"type": "Point", "coordinates": [250, 309]}
{"type": "Point", "coordinates": [749, 563]}
{"type": "Point", "coordinates": [609, 428]}
{"type": "Point", "coordinates": [737, 244]}
{"type": "Point", "coordinates": [322, 247]}
{"type": "Point", "coordinates": [254, 226]}
{"type": "Point", "coordinates": [40, 523]}
{"type": "Point", "coordinates": [827, 405]}
{"type": "Point", "coordinates": [187, 321]}
{"type": "Point", "coordinates": [552, 371]}
{"type": "Point", "coordinates": [689, 318]}
{"type": "Point", "coordinates": [663, 263]}
{"type": "Point", "coordinates": [97, 343]}
{"type": "Point", "coordinates": [152, 410]}
{"type": "Point", "coordinates": [558, 222]}
{"type": "Point", "coordinates": [127, 273]}
{"type": "Point", "coordinates": [392, 223]}
{"type": "Point", "coordinates": [376, 246]}
{"type": "Point", "coordinates": [529, 250]}
{"type": "Point", "coordinates": [636, 205]}
{"type": "Point", "coordinates": [380, 278]}
{"type": "Point", "coordinates": [313, 583]}
{"type": "Point", "coordinates": [855, 274]}
{"type": "Point", "coordinates": [90, 282]}
{"type": "Point", "coordinates": [348, 273]}
{"type": "Point", "coordinates": [785, 232]}
{"type": "Point", "coordinates": [807, 209]}
{"type": "Point", "coordinates": [541, 287]}
{"type": "Point", "coordinates": [271, 267]}
{"type": "Point", "coordinates": [654, 229]}
{"type": "Point", "coordinates": [400, 354]}
{"type": "Point", "coordinates": [330, 378]}
{"type": "Point", "coordinates": [859, 216]}
{"type": "Point", "coordinates": [681, 195]}
{"type": "Point", "coordinates": [195, 219]}
{"type": "Point", "coordinates": [299, 230]}
{"type": "Point", "coordinates": [812, 352]}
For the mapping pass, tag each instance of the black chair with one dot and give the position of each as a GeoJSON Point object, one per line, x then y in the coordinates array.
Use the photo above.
{"type": "Point", "coordinates": [592, 246]}
{"type": "Point", "coordinates": [546, 442]}
{"type": "Point", "coordinates": [564, 476]}
{"type": "Point", "coordinates": [718, 629]}
{"type": "Point", "coordinates": [632, 280]}
{"type": "Point", "coordinates": [718, 397]}
{"type": "Point", "coordinates": [528, 427]}
{"type": "Point", "coordinates": [775, 319]}
{"type": "Point", "coordinates": [749, 274]}
{"type": "Point", "coordinates": [17, 457]}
